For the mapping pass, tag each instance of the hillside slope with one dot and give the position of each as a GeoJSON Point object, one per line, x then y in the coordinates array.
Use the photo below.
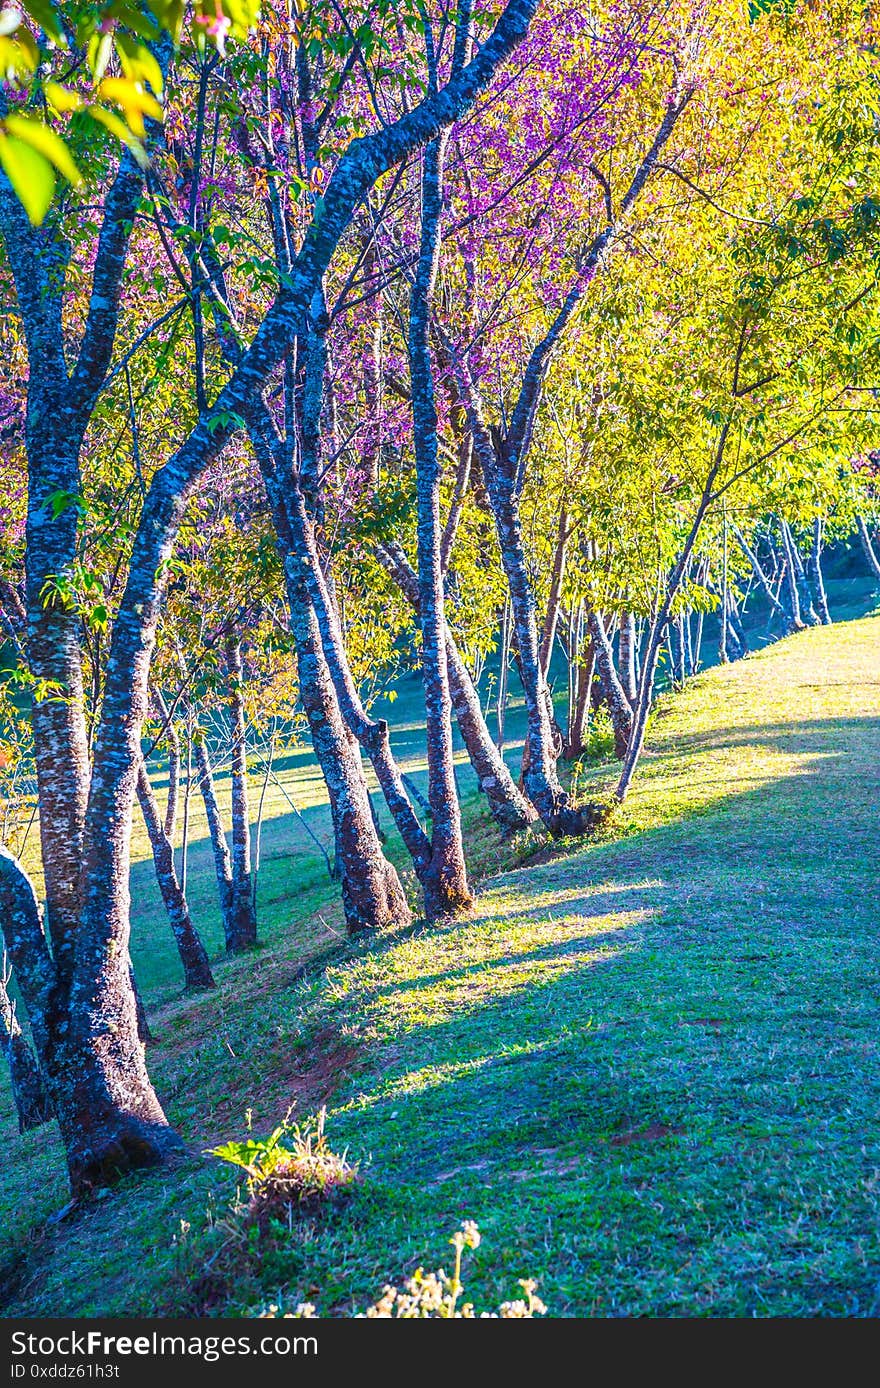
{"type": "Point", "coordinates": [648, 1067]}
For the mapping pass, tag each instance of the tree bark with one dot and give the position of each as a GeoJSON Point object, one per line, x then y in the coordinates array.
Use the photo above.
{"type": "Point", "coordinates": [508, 805]}
{"type": "Point", "coordinates": [193, 955]}
{"type": "Point", "coordinates": [86, 1038]}
{"type": "Point", "coordinates": [808, 611]}
{"type": "Point", "coordinates": [867, 547]}
{"type": "Point", "coordinates": [444, 877]}
{"type": "Point", "coordinates": [618, 705]}
{"type": "Point", "coordinates": [217, 834]}
{"type": "Point", "coordinates": [372, 896]}
{"type": "Point", "coordinates": [627, 655]}
{"type": "Point", "coordinates": [817, 582]}
{"type": "Point", "coordinates": [29, 1092]}
{"type": "Point", "coordinates": [242, 934]}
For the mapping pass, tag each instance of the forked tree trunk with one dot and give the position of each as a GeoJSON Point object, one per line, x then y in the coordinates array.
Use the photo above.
{"type": "Point", "coordinates": [29, 1093]}
{"type": "Point", "coordinates": [242, 933]}
{"type": "Point", "coordinates": [193, 955]}
{"type": "Point", "coordinates": [618, 705]}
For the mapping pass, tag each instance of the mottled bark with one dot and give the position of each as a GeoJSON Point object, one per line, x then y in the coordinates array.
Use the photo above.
{"type": "Point", "coordinates": [242, 922]}
{"type": "Point", "coordinates": [85, 1030]}
{"type": "Point", "coordinates": [109, 1116]}
{"type": "Point", "coordinates": [619, 706]}
{"type": "Point", "coordinates": [29, 1093]}
{"type": "Point", "coordinates": [444, 877]}
{"type": "Point", "coordinates": [817, 582]}
{"type": "Point", "coordinates": [193, 955]}
{"type": "Point", "coordinates": [372, 896]}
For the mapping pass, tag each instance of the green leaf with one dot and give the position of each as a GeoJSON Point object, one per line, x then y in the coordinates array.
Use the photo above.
{"type": "Point", "coordinates": [30, 174]}
{"type": "Point", "coordinates": [44, 13]}
{"type": "Point", "coordinates": [47, 143]}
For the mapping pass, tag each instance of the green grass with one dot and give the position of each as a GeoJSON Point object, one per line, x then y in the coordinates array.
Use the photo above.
{"type": "Point", "coordinates": [649, 1067]}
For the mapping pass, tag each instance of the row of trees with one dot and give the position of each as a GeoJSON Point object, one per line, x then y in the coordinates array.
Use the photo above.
{"type": "Point", "coordinates": [409, 331]}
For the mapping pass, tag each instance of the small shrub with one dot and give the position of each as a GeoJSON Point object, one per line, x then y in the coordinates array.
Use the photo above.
{"type": "Point", "coordinates": [293, 1169]}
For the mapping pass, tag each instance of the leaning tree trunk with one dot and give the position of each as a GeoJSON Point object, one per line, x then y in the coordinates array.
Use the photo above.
{"type": "Point", "coordinates": [193, 955]}
{"type": "Point", "coordinates": [29, 1092]}
{"type": "Point", "coordinates": [539, 764]}
{"type": "Point", "coordinates": [372, 896]}
{"type": "Point", "coordinates": [242, 929]}
{"type": "Point", "coordinates": [508, 805]}
{"type": "Point", "coordinates": [444, 877]}
{"type": "Point", "coordinates": [216, 832]}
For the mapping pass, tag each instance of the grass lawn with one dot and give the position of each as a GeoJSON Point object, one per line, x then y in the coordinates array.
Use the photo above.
{"type": "Point", "coordinates": [649, 1067]}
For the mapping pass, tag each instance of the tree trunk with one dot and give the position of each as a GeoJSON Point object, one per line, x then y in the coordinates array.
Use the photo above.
{"type": "Point", "coordinates": [627, 655]}
{"type": "Point", "coordinates": [508, 805]}
{"type": "Point", "coordinates": [86, 1039]}
{"type": "Point", "coordinates": [791, 601]}
{"type": "Point", "coordinates": [618, 705]}
{"type": "Point", "coordinates": [193, 955]}
{"type": "Point", "coordinates": [867, 547]}
{"type": "Point", "coordinates": [444, 876]}
{"type": "Point", "coordinates": [170, 736]}
{"type": "Point", "coordinates": [817, 582]}
{"type": "Point", "coordinates": [242, 933]}
{"type": "Point", "coordinates": [557, 578]}
{"type": "Point", "coordinates": [576, 732]}
{"type": "Point", "coordinates": [503, 676]}
{"type": "Point", "coordinates": [29, 1093]}
{"type": "Point", "coordinates": [219, 844]}
{"type": "Point", "coordinates": [808, 611]}
{"type": "Point", "coordinates": [757, 570]}
{"type": "Point", "coordinates": [539, 762]}
{"type": "Point", "coordinates": [372, 896]}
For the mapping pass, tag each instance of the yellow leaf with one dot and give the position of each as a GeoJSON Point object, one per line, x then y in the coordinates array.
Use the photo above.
{"type": "Point", "coordinates": [62, 99]}
{"type": "Point", "coordinates": [30, 174]}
